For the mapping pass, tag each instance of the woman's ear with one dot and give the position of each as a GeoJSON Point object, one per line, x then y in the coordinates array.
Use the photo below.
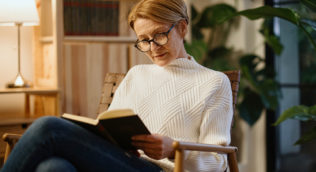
{"type": "Point", "coordinates": [182, 28]}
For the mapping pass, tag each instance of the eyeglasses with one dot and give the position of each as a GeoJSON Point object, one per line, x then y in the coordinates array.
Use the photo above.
{"type": "Point", "coordinates": [159, 39]}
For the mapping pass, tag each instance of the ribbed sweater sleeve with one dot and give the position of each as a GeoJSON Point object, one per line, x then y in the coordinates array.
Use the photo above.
{"type": "Point", "coordinates": [214, 129]}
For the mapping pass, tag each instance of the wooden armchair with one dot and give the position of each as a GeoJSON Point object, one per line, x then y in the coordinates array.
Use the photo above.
{"type": "Point", "coordinates": [112, 81]}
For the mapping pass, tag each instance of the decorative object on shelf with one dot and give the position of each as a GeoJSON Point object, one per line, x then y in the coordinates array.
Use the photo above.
{"type": "Point", "coordinates": [18, 13]}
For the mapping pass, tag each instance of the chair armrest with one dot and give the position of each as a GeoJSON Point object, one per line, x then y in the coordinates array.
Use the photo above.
{"type": "Point", "coordinates": [179, 148]}
{"type": "Point", "coordinates": [11, 138]}
{"type": "Point", "coordinates": [203, 147]}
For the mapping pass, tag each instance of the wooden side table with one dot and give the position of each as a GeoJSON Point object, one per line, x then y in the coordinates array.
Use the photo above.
{"type": "Point", "coordinates": [51, 92]}
{"type": "Point", "coordinates": [19, 125]}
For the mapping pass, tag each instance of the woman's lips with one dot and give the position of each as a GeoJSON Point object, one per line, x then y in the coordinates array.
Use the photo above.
{"type": "Point", "coordinates": [160, 55]}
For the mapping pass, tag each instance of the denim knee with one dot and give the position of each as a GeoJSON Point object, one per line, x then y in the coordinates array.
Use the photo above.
{"type": "Point", "coordinates": [45, 124]}
{"type": "Point", "coordinates": [54, 164]}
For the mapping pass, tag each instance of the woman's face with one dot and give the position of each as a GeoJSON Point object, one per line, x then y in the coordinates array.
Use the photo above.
{"type": "Point", "coordinates": [145, 29]}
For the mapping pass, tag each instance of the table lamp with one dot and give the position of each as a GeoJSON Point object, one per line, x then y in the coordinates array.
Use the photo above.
{"type": "Point", "coordinates": [18, 13]}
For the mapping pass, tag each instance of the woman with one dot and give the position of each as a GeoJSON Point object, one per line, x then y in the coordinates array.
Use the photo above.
{"type": "Point", "coordinates": [177, 99]}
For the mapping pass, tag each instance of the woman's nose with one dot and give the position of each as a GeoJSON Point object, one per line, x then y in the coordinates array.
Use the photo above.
{"type": "Point", "coordinates": [153, 46]}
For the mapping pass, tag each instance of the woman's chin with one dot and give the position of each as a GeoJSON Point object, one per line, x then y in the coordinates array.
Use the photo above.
{"type": "Point", "coordinates": [162, 60]}
{"type": "Point", "coordinates": [161, 63]}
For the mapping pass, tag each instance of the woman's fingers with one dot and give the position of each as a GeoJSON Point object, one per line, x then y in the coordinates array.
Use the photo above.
{"type": "Point", "coordinates": [154, 146]}
{"type": "Point", "coordinates": [150, 145]}
{"type": "Point", "coordinates": [147, 138]}
{"type": "Point", "coordinates": [152, 150]}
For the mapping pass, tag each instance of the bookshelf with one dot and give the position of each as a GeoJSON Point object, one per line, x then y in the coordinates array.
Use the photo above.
{"type": "Point", "coordinates": [91, 18]}
{"type": "Point", "coordinates": [104, 39]}
{"type": "Point", "coordinates": [76, 64]}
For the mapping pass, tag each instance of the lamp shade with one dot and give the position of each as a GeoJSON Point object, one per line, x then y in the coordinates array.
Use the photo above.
{"type": "Point", "coordinates": [18, 11]}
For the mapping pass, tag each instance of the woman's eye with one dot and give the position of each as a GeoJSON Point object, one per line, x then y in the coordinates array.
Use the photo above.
{"type": "Point", "coordinates": [143, 39]}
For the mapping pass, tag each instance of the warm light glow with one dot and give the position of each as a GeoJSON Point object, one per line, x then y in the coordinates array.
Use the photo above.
{"type": "Point", "coordinates": [18, 11]}
{"type": "Point", "coordinates": [19, 82]}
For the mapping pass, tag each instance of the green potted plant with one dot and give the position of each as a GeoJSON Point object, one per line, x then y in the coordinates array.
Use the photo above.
{"type": "Point", "coordinates": [258, 90]}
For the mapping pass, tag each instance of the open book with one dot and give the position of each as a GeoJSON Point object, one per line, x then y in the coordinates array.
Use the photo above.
{"type": "Point", "coordinates": [117, 126]}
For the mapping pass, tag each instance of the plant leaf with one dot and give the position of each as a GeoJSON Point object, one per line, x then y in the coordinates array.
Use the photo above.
{"type": "Point", "coordinates": [310, 4]}
{"type": "Point", "coordinates": [269, 90]}
{"type": "Point", "coordinates": [308, 136]}
{"type": "Point", "coordinates": [312, 110]}
{"type": "Point", "coordinates": [309, 36]}
{"type": "Point", "coordinates": [247, 65]}
{"type": "Point", "coordinates": [260, 81]}
{"type": "Point", "coordinates": [218, 59]}
{"type": "Point", "coordinates": [251, 107]}
{"type": "Point", "coordinates": [194, 13]}
{"type": "Point", "coordinates": [283, 13]}
{"type": "Point", "coordinates": [216, 14]}
{"type": "Point", "coordinates": [268, 12]}
{"type": "Point", "coordinates": [299, 112]}
{"type": "Point", "coordinates": [197, 49]}
{"type": "Point", "coordinates": [272, 40]}
{"type": "Point", "coordinates": [309, 22]}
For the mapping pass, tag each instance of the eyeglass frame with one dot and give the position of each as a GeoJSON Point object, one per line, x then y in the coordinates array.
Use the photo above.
{"type": "Point", "coordinates": [153, 40]}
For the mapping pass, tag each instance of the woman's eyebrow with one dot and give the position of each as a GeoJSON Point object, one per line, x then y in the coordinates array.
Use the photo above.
{"type": "Point", "coordinates": [156, 30]}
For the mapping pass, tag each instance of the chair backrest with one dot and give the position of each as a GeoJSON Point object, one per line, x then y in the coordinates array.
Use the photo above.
{"type": "Point", "coordinates": [113, 80]}
{"type": "Point", "coordinates": [234, 77]}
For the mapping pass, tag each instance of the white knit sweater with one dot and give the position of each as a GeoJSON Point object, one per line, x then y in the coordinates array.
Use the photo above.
{"type": "Point", "coordinates": [184, 101]}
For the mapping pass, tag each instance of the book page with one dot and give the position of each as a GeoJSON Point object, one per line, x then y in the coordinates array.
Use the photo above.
{"type": "Point", "coordinates": [80, 119]}
{"type": "Point", "coordinates": [117, 113]}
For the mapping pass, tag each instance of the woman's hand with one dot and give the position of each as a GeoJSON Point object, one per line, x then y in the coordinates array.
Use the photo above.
{"type": "Point", "coordinates": [155, 146]}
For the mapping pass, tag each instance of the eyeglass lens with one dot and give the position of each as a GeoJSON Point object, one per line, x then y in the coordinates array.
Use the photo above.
{"type": "Point", "coordinates": [159, 39]}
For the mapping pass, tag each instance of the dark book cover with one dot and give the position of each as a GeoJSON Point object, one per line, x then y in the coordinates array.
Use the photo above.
{"type": "Point", "coordinates": [122, 129]}
{"type": "Point", "coordinates": [117, 130]}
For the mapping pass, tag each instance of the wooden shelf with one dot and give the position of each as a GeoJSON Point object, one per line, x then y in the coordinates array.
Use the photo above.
{"type": "Point", "coordinates": [47, 39]}
{"type": "Point", "coordinates": [100, 39]}
{"type": "Point", "coordinates": [29, 90]}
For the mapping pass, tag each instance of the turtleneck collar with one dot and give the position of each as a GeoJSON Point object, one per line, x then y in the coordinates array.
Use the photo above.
{"type": "Point", "coordinates": [188, 62]}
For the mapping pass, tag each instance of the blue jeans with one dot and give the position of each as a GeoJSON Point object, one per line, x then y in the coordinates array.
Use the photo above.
{"type": "Point", "coordinates": [55, 144]}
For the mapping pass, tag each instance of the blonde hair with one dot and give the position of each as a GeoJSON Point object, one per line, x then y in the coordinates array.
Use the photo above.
{"type": "Point", "coordinates": [163, 11]}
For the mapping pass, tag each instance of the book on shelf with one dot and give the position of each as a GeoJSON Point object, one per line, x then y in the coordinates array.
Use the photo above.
{"type": "Point", "coordinates": [91, 18]}
{"type": "Point", "coordinates": [116, 126]}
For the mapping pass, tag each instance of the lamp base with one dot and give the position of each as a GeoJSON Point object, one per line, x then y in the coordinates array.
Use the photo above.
{"type": "Point", "coordinates": [19, 82]}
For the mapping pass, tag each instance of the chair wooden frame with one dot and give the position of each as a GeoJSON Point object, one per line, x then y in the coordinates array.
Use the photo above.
{"type": "Point", "coordinates": [111, 82]}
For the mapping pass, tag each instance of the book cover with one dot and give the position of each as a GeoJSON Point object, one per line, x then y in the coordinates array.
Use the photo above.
{"type": "Point", "coordinates": [116, 126]}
